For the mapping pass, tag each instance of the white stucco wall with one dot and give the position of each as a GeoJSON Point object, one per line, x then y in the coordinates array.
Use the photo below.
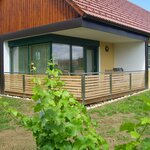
{"type": "Point", "coordinates": [99, 59]}
{"type": "Point", "coordinates": [130, 56]}
{"type": "Point", "coordinates": [6, 57]}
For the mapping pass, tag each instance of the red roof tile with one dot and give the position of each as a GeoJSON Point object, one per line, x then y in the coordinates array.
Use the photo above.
{"type": "Point", "coordinates": [121, 12]}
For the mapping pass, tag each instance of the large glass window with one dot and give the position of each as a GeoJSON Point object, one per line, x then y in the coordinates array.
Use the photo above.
{"type": "Point", "coordinates": [39, 56]}
{"type": "Point", "coordinates": [61, 56]}
{"type": "Point", "coordinates": [19, 59]}
{"type": "Point", "coordinates": [90, 66]}
{"type": "Point", "coordinates": [69, 58]}
{"type": "Point", "coordinates": [77, 59]}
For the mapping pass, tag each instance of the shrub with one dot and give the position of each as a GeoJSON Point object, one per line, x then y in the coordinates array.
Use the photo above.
{"type": "Point", "coordinates": [60, 122]}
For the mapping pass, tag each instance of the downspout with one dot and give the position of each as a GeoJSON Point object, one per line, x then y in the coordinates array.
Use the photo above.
{"type": "Point", "coordinates": [146, 64]}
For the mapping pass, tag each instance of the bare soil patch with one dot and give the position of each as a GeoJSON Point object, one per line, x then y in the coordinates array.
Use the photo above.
{"type": "Point", "coordinates": [109, 126]}
{"type": "Point", "coordinates": [18, 139]}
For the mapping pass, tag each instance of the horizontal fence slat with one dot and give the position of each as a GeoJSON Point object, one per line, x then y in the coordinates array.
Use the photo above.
{"type": "Point", "coordinates": [96, 86]}
{"type": "Point", "coordinates": [14, 83]}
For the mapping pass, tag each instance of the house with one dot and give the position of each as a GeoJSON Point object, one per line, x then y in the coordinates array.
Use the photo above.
{"type": "Point", "coordinates": [101, 46]}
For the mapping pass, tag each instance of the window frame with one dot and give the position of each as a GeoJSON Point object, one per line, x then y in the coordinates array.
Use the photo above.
{"type": "Point", "coordinates": [86, 44]}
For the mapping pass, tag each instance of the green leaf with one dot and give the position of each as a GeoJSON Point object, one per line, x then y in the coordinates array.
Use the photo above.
{"type": "Point", "coordinates": [26, 121]}
{"type": "Point", "coordinates": [58, 93]}
{"type": "Point", "coordinates": [145, 144]}
{"type": "Point", "coordinates": [13, 112]}
{"type": "Point", "coordinates": [66, 146]}
{"type": "Point", "coordinates": [37, 107]}
{"type": "Point", "coordinates": [71, 130]}
{"type": "Point", "coordinates": [35, 97]}
{"type": "Point", "coordinates": [59, 121]}
{"type": "Point", "coordinates": [37, 81]}
{"type": "Point", "coordinates": [120, 147]}
{"type": "Point", "coordinates": [47, 147]}
{"type": "Point", "coordinates": [134, 134]}
{"type": "Point", "coordinates": [72, 100]}
{"type": "Point", "coordinates": [128, 146]}
{"type": "Point", "coordinates": [50, 113]}
{"type": "Point", "coordinates": [128, 126]}
{"type": "Point", "coordinates": [65, 94]}
{"type": "Point", "coordinates": [145, 120]}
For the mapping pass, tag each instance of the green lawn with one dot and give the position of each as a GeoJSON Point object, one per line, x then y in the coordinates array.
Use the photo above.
{"type": "Point", "coordinates": [6, 121]}
{"type": "Point", "coordinates": [12, 136]}
{"type": "Point", "coordinates": [108, 118]}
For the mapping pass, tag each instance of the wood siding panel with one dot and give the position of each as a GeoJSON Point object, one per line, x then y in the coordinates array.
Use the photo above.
{"type": "Point", "coordinates": [22, 14]}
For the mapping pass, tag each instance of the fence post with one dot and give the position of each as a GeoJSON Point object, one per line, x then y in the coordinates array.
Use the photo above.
{"type": "Point", "coordinates": [110, 83]}
{"type": "Point", "coordinates": [146, 81]}
{"type": "Point", "coordinates": [83, 88]}
{"type": "Point", "coordinates": [130, 80]}
{"type": "Point", "coordinates": [23, 84]}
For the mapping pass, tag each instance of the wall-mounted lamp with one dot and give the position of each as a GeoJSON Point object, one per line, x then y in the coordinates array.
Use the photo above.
{"type": "Point", "coordinates": [107, 48]}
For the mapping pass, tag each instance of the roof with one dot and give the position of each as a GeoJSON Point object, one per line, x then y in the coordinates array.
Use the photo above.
{"type": "Point", "coordinates": [121, 12]}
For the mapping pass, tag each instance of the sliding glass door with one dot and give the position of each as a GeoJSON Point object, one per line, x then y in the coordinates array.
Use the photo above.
{"type": "Point", "coordinates": [19, 59]}
{"type": "Point", "coordinates": [39, 56]}
{"type": "Point", "coordinates": [61, 56]}
{"type": "Point", "coordinates": [78, 59]}
{"type": "Point", "coordinates": [90, 63]}
{"type": "Point", "coordinates": [69, 58]}
{"type": "Point", "coordinates": [75, 59]}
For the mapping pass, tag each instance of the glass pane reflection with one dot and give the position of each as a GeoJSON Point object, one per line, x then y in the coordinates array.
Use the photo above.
{"type": "Point", "coordinates": [77, 59]}
{"type": "Point", "coordinates": [39, 57]}
{"type": "Point", "coordinates": [61, 56]}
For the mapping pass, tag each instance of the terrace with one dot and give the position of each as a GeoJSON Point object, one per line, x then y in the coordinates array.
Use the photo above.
{"type": "Point", "coordinates": [87, 57]}
{"type": "Point", "coordinates": [87, 88]}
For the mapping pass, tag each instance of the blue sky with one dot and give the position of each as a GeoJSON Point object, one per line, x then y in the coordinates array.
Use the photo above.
{"type": "Point", "coordinates": [142, 3]}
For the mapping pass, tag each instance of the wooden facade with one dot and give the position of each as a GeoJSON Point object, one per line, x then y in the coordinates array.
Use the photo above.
{"type": "Point", "coordinates": [17, 15]}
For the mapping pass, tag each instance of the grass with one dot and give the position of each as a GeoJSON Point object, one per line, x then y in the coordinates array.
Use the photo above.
{"type": "Point", "coordinates": [12, 136]}
{"type": "Point", "coordinates": [127, 106]}
{"type": "Point", "coordinates": [108, 118]}
{"type": "Point", "coordinates": [6, 121]}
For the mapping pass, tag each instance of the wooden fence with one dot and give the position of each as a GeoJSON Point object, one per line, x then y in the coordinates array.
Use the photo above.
{"type": "Point", "coordinates": [113, 85]}
{"type": "Point", "coordinates": [86, 88]}
{"type": "Point", "coordinates": [18, 84]}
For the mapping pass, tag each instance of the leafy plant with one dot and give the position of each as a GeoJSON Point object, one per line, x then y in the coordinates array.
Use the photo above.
{"type": "Point", "coordinates": [60, 122]}
{"type": "Point", "coordinates": [136, 130]}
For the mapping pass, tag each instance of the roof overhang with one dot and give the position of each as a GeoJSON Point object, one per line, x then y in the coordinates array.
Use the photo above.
{"type": "Point", "coordinates": [133, 19]}
{"type": "Point", "coordinates": [92, 34]}
{"type": "Point", "coordinates": [110, 23]}
{"type": "Point", "coordinates": [66, 27]}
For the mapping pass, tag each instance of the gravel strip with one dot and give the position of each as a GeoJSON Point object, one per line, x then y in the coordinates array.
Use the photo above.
{"type": "Point", "coordinates": [114, 100]}
{"type": "Point", "coordinates": [92, 106]}
{"type": "Point", "coordinates": [16, 97]}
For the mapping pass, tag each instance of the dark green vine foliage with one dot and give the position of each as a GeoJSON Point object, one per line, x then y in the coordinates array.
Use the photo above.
{"type": "Point", "coordinates": [61, 122]}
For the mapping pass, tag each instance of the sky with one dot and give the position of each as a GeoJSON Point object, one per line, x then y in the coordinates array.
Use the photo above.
{"type": "Point", "coordinates": [142, 3]}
